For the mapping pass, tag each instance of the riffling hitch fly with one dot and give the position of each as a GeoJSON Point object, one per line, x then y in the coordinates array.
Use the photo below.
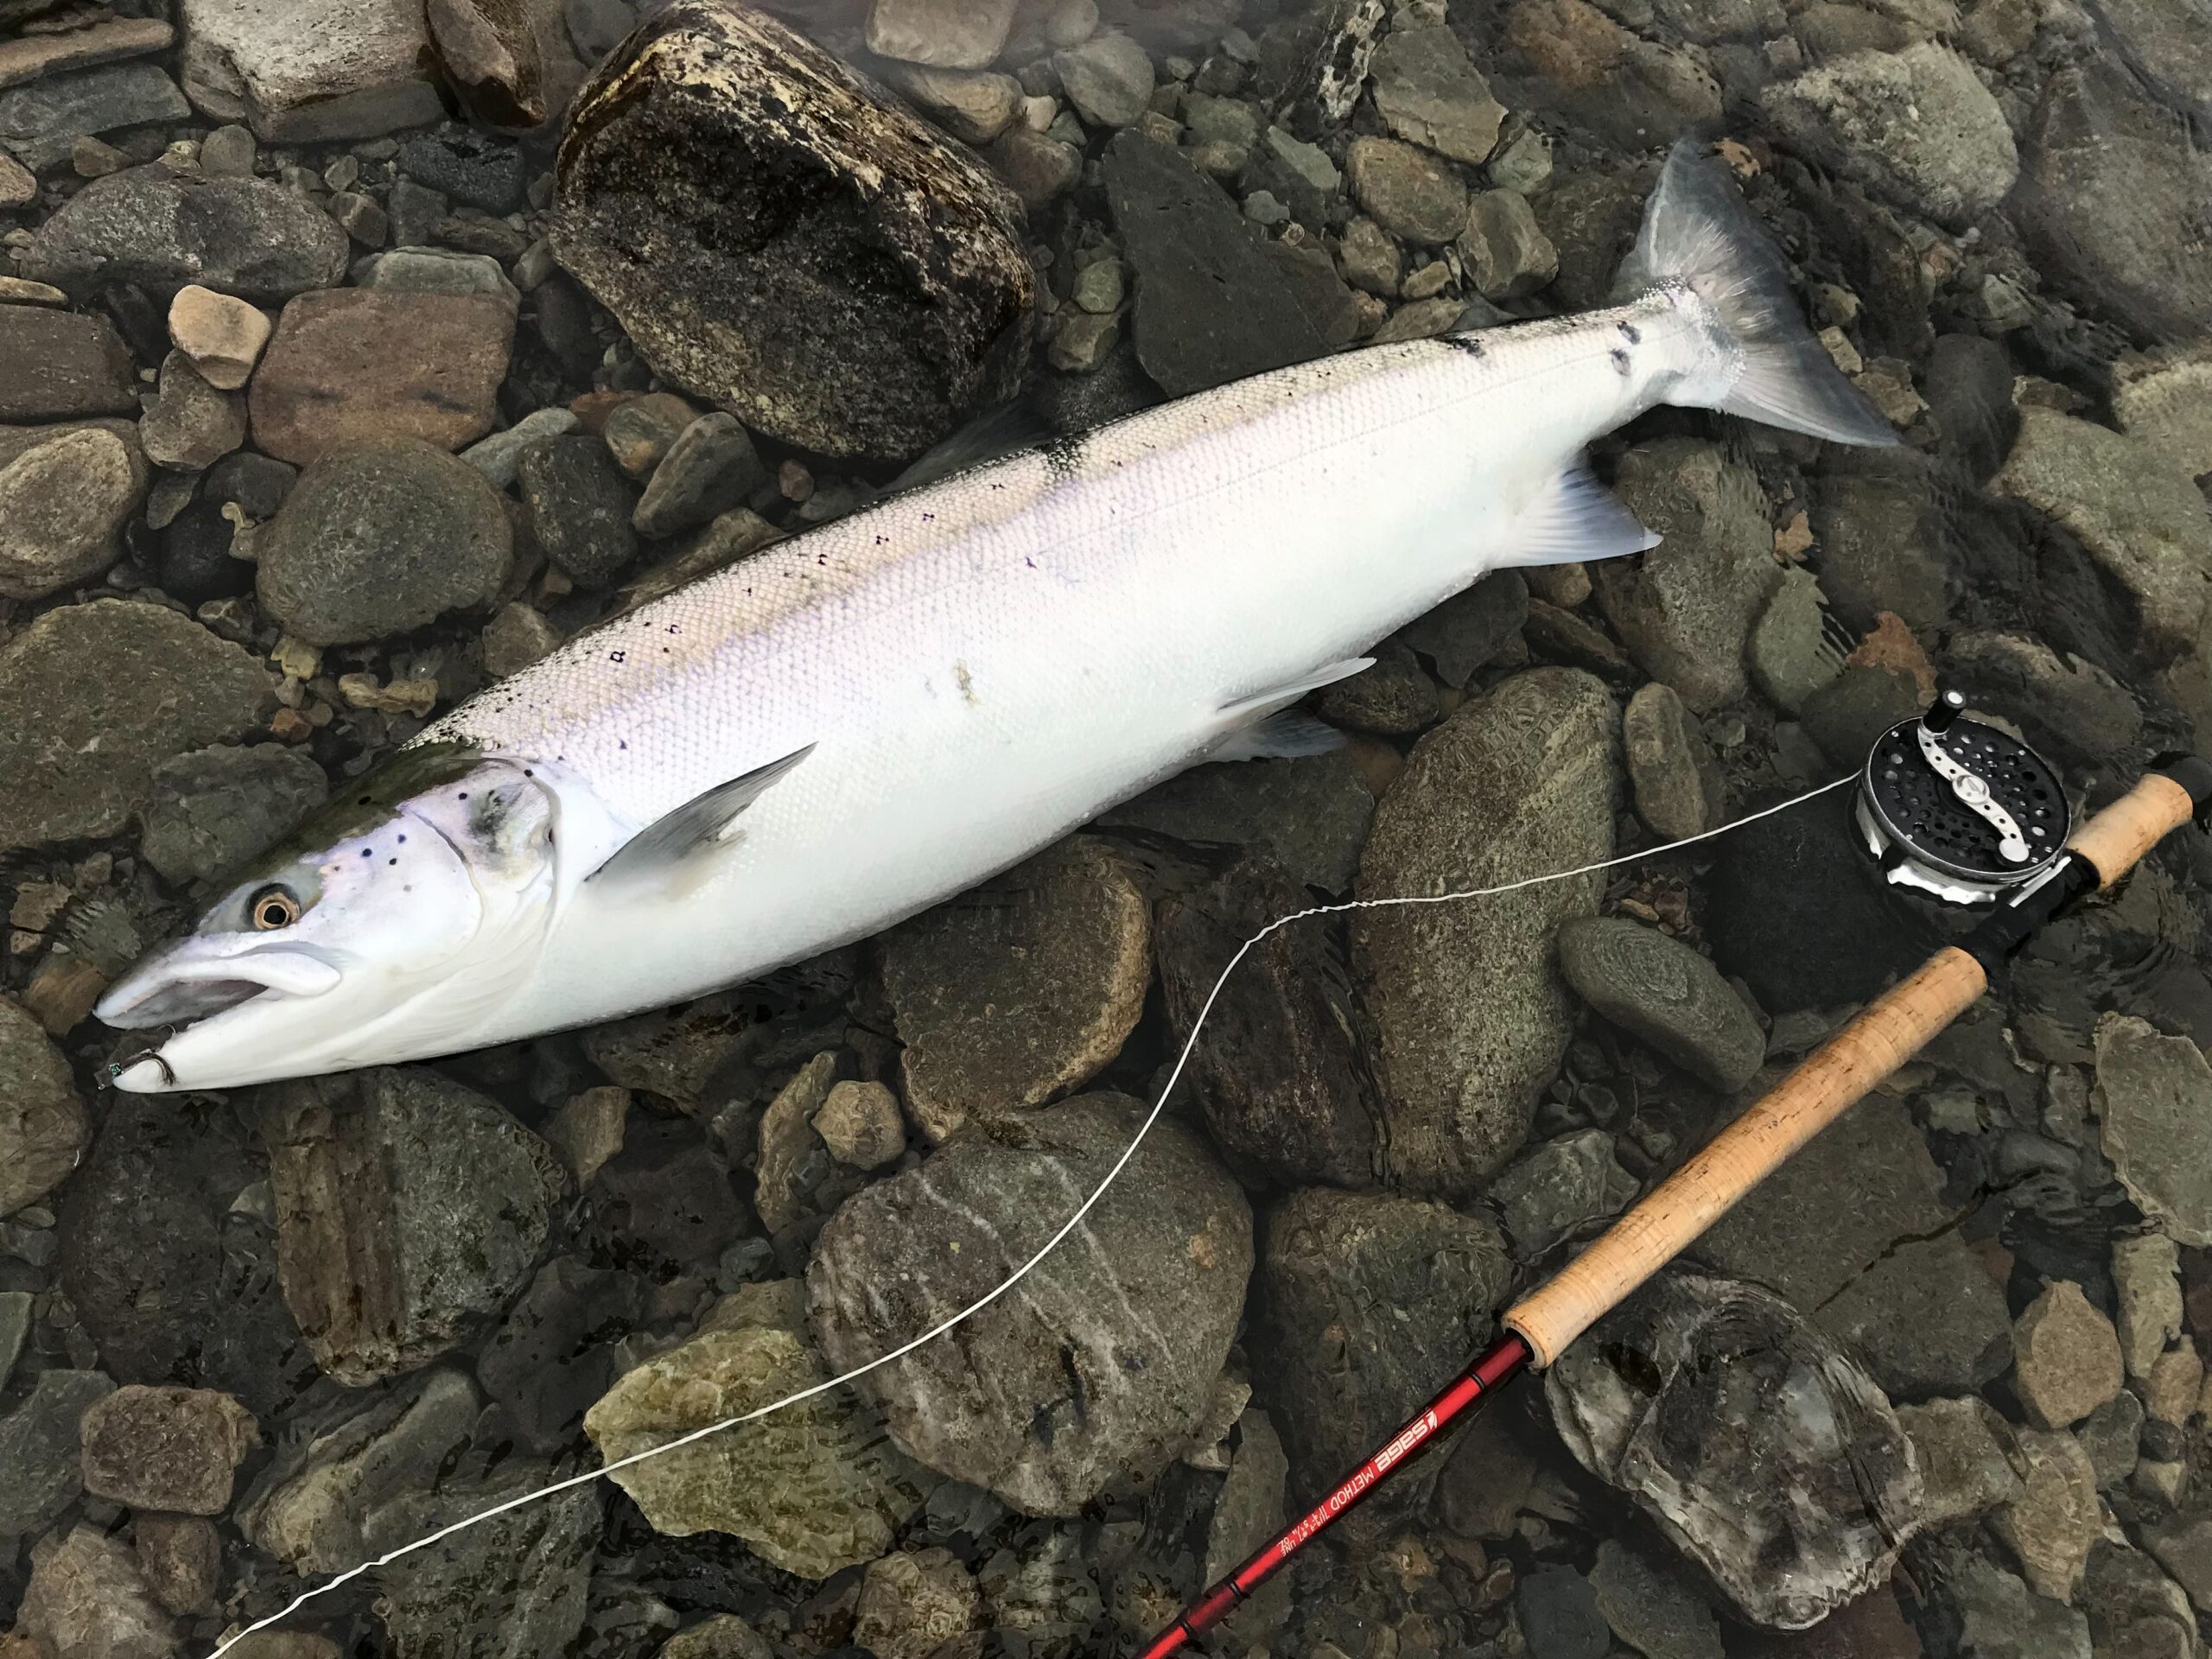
{"type": "Point", "coordinates": [1952, 807]}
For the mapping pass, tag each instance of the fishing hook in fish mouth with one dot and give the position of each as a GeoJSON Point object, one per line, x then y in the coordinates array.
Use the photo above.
{"type": "Point", "coordinates": [116, 1068]}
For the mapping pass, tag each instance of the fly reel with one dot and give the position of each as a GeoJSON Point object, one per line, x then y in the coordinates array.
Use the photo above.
{"type": "Point", "coordinates": [1958, 810]}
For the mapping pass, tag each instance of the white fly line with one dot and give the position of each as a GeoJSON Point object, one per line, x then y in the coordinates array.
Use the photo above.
{"type": "Point", "coordinates": [1189, 1044]}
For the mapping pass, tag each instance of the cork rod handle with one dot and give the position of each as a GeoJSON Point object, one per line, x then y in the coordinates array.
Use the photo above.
{"type": "Point", "coordinates": [1882, 1038]}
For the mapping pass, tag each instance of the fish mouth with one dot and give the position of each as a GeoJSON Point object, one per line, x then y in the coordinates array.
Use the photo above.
{"type": "Point", "coordinates": [187, 997]}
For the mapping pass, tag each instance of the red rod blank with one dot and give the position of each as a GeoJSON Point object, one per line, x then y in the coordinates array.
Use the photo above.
{"type": "Point", "coordinates": [1503, 1360]}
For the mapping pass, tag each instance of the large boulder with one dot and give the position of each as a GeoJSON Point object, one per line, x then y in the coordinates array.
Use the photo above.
{"type": "Point", "coordinates": [1105, 1362]}
{"type": "Point", "coordinates": [779, 239]}
{"type": "Point", "coordinates": [1469, 1014]}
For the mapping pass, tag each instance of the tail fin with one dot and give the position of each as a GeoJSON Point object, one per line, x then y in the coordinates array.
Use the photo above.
{"type": "Point", "coordinates": [1697, 231]}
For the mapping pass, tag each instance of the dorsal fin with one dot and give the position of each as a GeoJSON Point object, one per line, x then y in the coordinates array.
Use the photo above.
{"type": "Point", "coordinates": [700, 821]}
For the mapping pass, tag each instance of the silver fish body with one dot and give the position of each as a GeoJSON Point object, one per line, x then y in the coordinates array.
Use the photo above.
{"type": "Point", "coordinates": [868, 717]}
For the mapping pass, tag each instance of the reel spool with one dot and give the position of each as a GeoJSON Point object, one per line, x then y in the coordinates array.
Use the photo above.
{"type": "Point", "coordinates": [1957, 809]}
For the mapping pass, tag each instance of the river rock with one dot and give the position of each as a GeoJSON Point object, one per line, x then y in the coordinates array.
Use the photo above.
{"type": "Point", "coordinates": [860, 1124]}
{"type": "Point", "coordinates": [331, 1498]}
{"type": "Point", "coordinates": [1428, 94]}
{"type": "Point", "coordinates": [191, 424]}
{"type": "Point", "coordinates": [43, 1126]}
{"type": "Point", "coordinates": [868, 289]}
{"type": "Point", "coordinates": [1964, 1449]}
{"type": "Point", "coordinates": [95, 40]}
{"type": "Point", "coordinates": [1044, 1595]}
{"type": "Point", "coordinates": [511, 1587]}
{"type": "Point", "coordinates": [65, 497]}
{"type": "Point", "coordinates": [221, 334]}
{"type": "Point", "coordinates": [330, 380]}
{"type": "Point", "coordinates": [2000, 1617]}
{"type": "Point", "coordinates": [1409, 194]}
{"type": "Point", "coordinates": [1834, 1208]}
{"type": "Point", "coordinates": [1555, 1189]}
{"type": "Point", "coordinates": [445, 270]}
{"type": "Point", "coordinates": [1660, 990]}
{"type": "Point", "coordinates": [1021, 991]}
{"type": "Point", "coordinates": [409, 1211]}
{"type": "Point", "coordinates": [86, 1598]}
{"type": "Point", "coordinates": [117, 686]}
{"type": "Point", "coordinates": [166, 1448]}
{"type": "Point", "coordinates": [814, 1489]}
{"type": "Point", "coordinates": [913, 1602]}
{"type": "Point", "coordinates": [1915, 125]}
{"type": "Point", "coordinates": [2102, 169]}
{"type": "Point", "coordinates": [711, 467]}
{"type": "Point", "coordinates": [181, 1558]}
{"type": "Point", "coordinates": [2054, 1519]}
{"type": "Point", "coordinates": [40, 1469]}
{"type": "Point", "coordinates": [2146, 1279]}
{"type": "Point", "coordinates": [2165, 400]}
{"type": "Point", "coordinates": [382, 539]}
{"type": "Point", "coordinates": [1212, 306]}
{"type": "Point", "coordinates": [1309, 814]}
{"type": "Point", "coordinates": [973, 105]}
{"type": "Point", "coordinates": [1471, 1018]}
{"type": "Point", "coordinates": [209, 812]}
{"type": "Point", "coordinates": [551, 1357]}
{"type": "Point", "coordinates": [2142, 521]}
{"type": "Point", "coordinates": [1371, 1303]}
{"type": "Point", "coordinates": [1687, 1397]}
{"type": "Point", "coordinates": [579, 506]}
{"type": "Point", "coordinates": [1675, 780]}
{"type": "Point", "coordinates": [2149, 1100]}
{"type": "Point", "coordinates": [1652, 1606]}
{"type": "Point", "coordinates": [42, 122]}
{"type": "Point", "coordinates": [490, 53]}
{"type": "Point", "coordinates": [950, 34]}
{"type": "Point", "coordinates": [56, 365]}
{"type": "Point", "coordinates": [327, 69]}
{"type": "Point", "coordinates": [1926, 1317]}
{"type": "Point", "coordinates": [1105, 1366]}
{"type": "Point", "coordinates": [2066, 1358]}
{"type": "Point", "coordinates": [1685, 608]}
{"type": "Point", "coordinates": [1277, 1069]}
{"type": "Point", "coordinates": [2063, 704]}
{"type": "Point", "coordinates": [160, 229]}
{"type": "Point", "coordinates": [1881, 533]}
{"type": "Point", "coordinates": [499, 456]}
{"type": "Point", "coordinates": [1107, 78]}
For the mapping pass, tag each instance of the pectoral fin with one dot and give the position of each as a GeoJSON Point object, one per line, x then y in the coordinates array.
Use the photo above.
{"type": "Point", "coordinates": [1259, 728]}
{"type": "Point", "coordinates": [703, 821]}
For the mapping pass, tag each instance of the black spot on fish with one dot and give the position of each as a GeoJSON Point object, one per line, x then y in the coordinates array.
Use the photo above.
{"type": "Point", "coordinates": [1063, 455]}
{"type": "Point", "coordinates": [1631, 334]}
{"type": "Point", "coordinates": [1468, 343]}
{"type": "Point", "coordinates": [1620, 359]}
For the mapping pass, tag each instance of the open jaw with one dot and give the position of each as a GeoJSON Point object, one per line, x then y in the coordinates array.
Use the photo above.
{"type": "Point", "coordinates": [177, 998]}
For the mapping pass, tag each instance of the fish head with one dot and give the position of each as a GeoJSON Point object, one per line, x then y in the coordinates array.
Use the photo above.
{"type": "Point", "coordinates": [384, 930]}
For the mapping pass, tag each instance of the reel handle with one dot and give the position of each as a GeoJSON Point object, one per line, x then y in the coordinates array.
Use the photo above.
{"type": "Point", "coordinates": [1880, 1039]}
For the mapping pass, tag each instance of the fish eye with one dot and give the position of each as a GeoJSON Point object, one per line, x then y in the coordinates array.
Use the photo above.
{"type": "Point", "coordinates": [272, 907]}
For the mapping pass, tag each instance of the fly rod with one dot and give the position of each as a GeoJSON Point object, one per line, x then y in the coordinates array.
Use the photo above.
{"type": "Point", "coordinates": [1948, 806]}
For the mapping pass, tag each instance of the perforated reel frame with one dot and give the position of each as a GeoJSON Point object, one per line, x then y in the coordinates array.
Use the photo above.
{"type": "Point", "coordinates": [1927, 837]}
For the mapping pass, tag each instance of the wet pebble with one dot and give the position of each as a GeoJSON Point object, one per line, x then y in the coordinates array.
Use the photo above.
{"type": "Point", "coordinates": [467, 165]}
{"type": "Point", "coordinates": [973, 105]}
{"type": "Point", "coordinates": [86, 1596]}
{"type": "Point", "coordinates": [913, 1602]}
{"type": "Point", "coordinates": [1652, 1606]}
{"type": "Point", "coordinates": [859, 1122]}
{"type": "Point", "coordinates": [1672, 777]}
{"type": "Point", "coordinates": [515, 638]}
{"type": "Point", "coordinates": [382, 539]}
{"type": "Point", "coordinates": [1558, 1614]}
{"type": "Point", "coordinates": [248, 237]}
{"type": "Point", "coordinates": [118, 687]}
{"type": "Point", "coordinates": [709, 468]}
{"type": "Point", "coordinates": [166, 1448]}
{"type": "Point", "coordinates": [1507, 256]}
{"type": "Point", "coordinates": [1042, 1404]}
{"type": "Point", "coordinates": [579, 506]}
{"type": "Point", "coordinates": [500, 457]}
{"type": "Point", "coordinates": [1408, 193]}
{"type": "Point", "coordinates": [813, 1489]}
{"type": "Point", "coordinates": [1665, 993]}
{"type": "Point", "coordinates": [1428, 94]}
{"type": "Point", "coordinates": [191, 424]}
{"type": "Point", "coordinates": [325, 70]}
{"type": "Point", "coordinates": [991, 1025]}
{"type": "Point", "coordinates": [330, 379]}
{"type": "Point", "coordinates": [1558, 1188]}
{"type": "Point", "coordinates": [2051, 1524]}
{"type": "Point", "coordinates": [221, 334]}
{"type": "Point", "coordinates": [41, 1472]}
{"type": "Point", "coordinates": [442, 270]}
{"type": "Point", "coordinates": [57, 366]}
{"type": "Point", "coordinates": [65, 497]}
{"type": "Point", "coordinates": [180, 1558]}
{"type": "Point", "coordinates": [43, 120]}
{"type": "Point", "coordinates": [953, 34]}
{"type": "Point", "coordinates": [2066, 1357]}
{"type": "Point", "coordinates": [2148, 1096]}
{"type": "Point", "coordinates": [1107, 78]}
{"type": "Point", "coordinates": [2000, 1614]}
{"type": "Point", "coordinates": [1964, 1449]}
{"type": "Point", "coordinates": [461, 1196]}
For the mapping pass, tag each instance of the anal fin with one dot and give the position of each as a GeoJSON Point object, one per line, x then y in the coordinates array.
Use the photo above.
{"type": "Point", "coordinates": [703, 821]}
{"type": "Point", "coordinates": [1575, 518]}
